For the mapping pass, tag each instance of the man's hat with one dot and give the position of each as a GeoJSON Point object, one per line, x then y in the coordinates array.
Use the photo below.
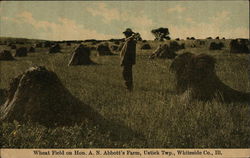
{"type": "Point", "coordinates": [128, 31]}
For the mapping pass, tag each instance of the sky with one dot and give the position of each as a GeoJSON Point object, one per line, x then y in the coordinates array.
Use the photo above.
{"type": "Point", "coordinates": [79, 20]}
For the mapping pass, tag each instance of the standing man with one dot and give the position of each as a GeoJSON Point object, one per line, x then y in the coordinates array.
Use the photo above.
{"type": "Point", "coordinates": [128, 54]}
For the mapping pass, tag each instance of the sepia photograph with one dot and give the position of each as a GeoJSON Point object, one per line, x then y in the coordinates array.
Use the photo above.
{"type": "Point", "coordinates": [124, 74]}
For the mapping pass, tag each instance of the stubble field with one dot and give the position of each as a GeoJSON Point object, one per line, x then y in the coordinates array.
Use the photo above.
{"type": "Point", "coordinates": [163, 119]}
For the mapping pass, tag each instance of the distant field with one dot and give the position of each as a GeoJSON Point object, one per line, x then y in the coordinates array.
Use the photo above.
{"type": "Point", "coordinates": [152, 109]}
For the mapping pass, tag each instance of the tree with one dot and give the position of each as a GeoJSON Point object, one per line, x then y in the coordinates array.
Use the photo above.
{"type": "Point", "coordinates": [160, 34]}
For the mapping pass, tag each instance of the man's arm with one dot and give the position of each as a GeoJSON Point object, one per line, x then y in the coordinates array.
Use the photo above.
{"type": "Point", "coordinates": [132, 37]}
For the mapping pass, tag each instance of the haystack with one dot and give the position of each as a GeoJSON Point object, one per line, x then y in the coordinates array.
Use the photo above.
{"type": "Point", "coordinates": [21, 52]}
{"type": "Point", "coordinates": [163, 51]}
{"type": "Point", "coordinates": [47, 44]}
{"type": "Point", "coordinates": [81, 56]}
{"type": "Point", "coordinates": [239, 46]}
{"type": "Point", "coordinates": [55, 49]}
{"type": "Point", "coordinates": [120, 46]}
{"type": "Point", "coordinates": [92, 47]}
{"type": "Point", "coordinates": [168, 38]}
{"type": "Point", "coordinates": [13, 46]}
{"type": "Point", "coordinates": [68, 43]}
{"type": "Point", "coordinates": [175, 46]}
{"type": "Point", "coordinates": [6, 55]}
{"type": "Point", "coordinates": [103, 49]}
{"type": "Point", "coordinates": [117, 42]}
{"type": "Point", "coordinates": [3, 93]}
{"type": "Point", "coordinates": [32, 49]}
{"type": "Point", "coordinates": [200, 42]}
{"type": "Point", "coordinates": [216, 46]}
{"type": "Point", "coordinates": [38, 45]}
{"type": "Point", "coordinates": [39, 96]}
{"type": "Point", "coordinates": [146, 46]}
{"type": "Point", "coordinates": [196, 74]}
{"type": "Point", "coordinates": [193, 45]}
{"type": "Point", "coordinates": [114, 47]}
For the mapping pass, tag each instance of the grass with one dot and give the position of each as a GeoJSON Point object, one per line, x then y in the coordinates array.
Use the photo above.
{"type": "Point", "coordinates": [152, 109]}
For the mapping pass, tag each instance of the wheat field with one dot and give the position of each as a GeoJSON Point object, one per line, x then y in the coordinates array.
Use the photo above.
{"type": "Point", "coordinates": [164, 119]}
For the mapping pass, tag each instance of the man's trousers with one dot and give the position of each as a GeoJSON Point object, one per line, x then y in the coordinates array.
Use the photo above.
{"type": "Point", "coordinates": [128, 76]}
